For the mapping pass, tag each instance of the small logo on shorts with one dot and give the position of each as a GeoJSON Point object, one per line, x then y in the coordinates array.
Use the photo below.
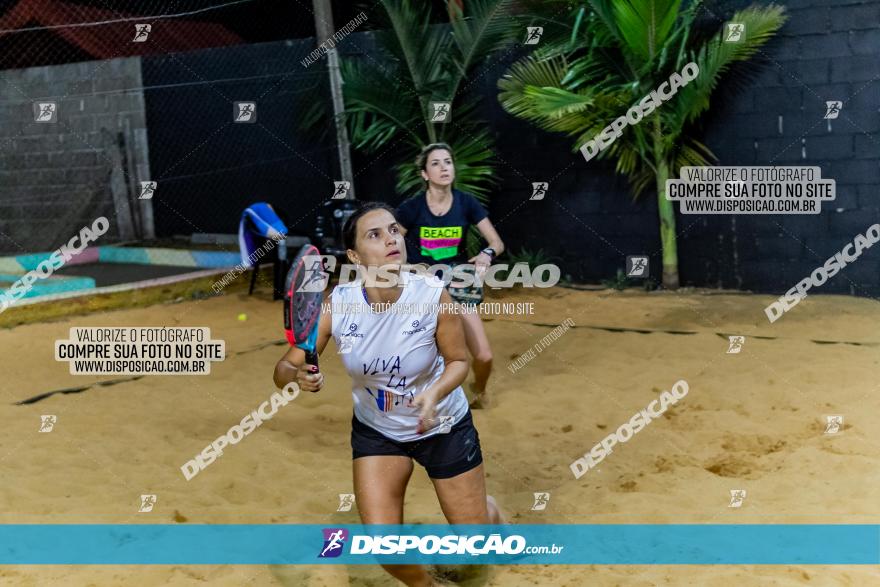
{"type": "Point", "coordinates": [541, 501]}
{"type": "Point", "coordinates": [346, 500]}
{"type": "Point", "coordinates": [473, 452]}
{"type": "Point", "coordinates": [147, 503]}
{"type": "Point", "coordinates": [47, 423]}
{"type": "Point", "coordinates": [334, 540]}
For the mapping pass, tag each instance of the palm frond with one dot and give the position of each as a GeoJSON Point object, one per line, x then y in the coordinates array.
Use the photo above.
{"type": "Point", "coordinates": [387, 100]}
{"type": "Point", "coordinates": [693, 153]}
{"type": "Point", "coordinates": [644, 25]}
{"type": "Point", "coordinates": [532, 90]}
{"type": "Point", "coordinates": [376, 110]}
{"type": "Point", "coordinates": [406, 40]}
{"type": "Point", "coordinates": [485, 28]}
{"type": "Point", "coordinates": [715, 57]}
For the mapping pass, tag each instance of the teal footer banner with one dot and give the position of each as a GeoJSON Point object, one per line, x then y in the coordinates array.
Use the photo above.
{"type": "Point", "coordinates": [569, 544]}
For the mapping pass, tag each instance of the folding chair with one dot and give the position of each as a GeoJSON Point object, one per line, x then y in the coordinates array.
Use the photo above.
{"type": "Point", "coordinates": [260, 224]}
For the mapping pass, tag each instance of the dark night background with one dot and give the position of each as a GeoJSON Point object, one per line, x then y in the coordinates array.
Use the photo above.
{"type": "Point", "coordinates": [589, 221]}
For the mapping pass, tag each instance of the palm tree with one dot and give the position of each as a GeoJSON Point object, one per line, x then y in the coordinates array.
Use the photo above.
{"type": "Point", "coordinates": [387, 100]}
{"type": "Point", "coordinates": [590, 72]}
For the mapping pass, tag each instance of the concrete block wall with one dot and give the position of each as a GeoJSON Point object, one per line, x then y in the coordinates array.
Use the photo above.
{"type": "Point", "coordinates": [828, 50]}
{"type": "Point", "coordinates": [57, 177]}
{"type": "Point", "coordinates": [589, 221]}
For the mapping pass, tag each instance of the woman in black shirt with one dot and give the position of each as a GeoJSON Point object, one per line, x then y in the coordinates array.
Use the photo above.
{"type": "Point", "coordinates": [436, 224]}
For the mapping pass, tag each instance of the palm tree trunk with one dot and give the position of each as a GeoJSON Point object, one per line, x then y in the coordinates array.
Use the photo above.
{"type": "Point", "coordinates": [667, 214]}
{"type": "Point", "coordinates": [324, 30]}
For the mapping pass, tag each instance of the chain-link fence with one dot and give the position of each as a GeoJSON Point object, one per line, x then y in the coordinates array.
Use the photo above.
{"type": "Point", "coordinates": [167, 119]}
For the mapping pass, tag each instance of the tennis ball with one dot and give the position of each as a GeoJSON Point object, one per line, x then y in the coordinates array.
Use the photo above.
{"type": "Point", "coordinates": [242, 317]}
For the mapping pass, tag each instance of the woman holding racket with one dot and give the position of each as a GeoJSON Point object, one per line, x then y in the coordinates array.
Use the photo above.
{"type": "Point", "coordinates": [406, 364]}
{"type": "Point", "coordinates": [438, 222]}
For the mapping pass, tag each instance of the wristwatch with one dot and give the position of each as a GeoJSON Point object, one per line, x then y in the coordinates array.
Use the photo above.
{"type": "Point", "coordinates": [489, 251]}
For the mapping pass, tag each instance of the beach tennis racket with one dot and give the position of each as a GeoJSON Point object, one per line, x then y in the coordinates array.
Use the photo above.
{"type": "Point", "coordinates": [303, 294]}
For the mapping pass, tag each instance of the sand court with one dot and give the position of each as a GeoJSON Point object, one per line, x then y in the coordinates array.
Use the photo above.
{"type": "Point", "coordinates": [753, 420]}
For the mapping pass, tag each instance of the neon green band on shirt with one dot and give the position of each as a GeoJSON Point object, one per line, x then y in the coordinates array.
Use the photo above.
{"type": "Point", "coordinates": [442, 253]}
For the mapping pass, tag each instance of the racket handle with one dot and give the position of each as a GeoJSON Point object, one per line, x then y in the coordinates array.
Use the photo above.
{"type": "Point", "coordinates": [311, 358]}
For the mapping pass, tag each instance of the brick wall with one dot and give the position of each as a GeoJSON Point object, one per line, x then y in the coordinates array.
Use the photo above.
{"type": "Point", "coordinates": [826, 51]}
{"type": "Point", "coordinates": [57, 177]}
{"type": "Point", "coordinates": [209, 169]}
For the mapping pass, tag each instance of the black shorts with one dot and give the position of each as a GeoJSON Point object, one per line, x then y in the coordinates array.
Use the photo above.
{"type": "Point", "coordinates": [442, 455]}
{"type": "Point", "coordinates": [471, 296]}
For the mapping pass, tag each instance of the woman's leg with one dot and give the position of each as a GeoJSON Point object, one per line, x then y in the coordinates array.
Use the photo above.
{"type": "Point", "coordinates": [463, 499]}
{"type": "Point", "coordinates": [478, 346]}
{"type": "Point", "coordinates": [379, 487]}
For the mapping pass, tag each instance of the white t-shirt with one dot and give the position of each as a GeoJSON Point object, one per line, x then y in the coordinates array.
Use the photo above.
{"type": "Point", "coordinates": [392, 357]}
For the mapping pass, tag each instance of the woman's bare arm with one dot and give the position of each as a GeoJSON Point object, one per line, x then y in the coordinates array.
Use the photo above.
{"type": "Point", "coordinates": [451, 344]}
{"type": "Point", "coordinates": [491, 235]}
{"type": "Point", "coordinates": [292, 367]}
